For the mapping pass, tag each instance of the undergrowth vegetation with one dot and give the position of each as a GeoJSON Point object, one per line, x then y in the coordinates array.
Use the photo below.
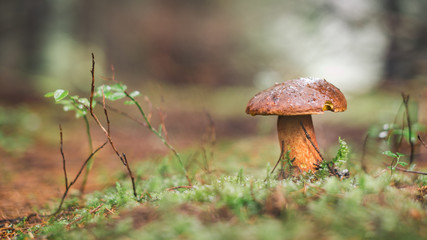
{"type": "Point", "coordinates": [231, 195]}
{"type": "Point", "coordinates": [227, 206]}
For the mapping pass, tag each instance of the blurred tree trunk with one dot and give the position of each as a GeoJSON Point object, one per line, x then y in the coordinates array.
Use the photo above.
{"type": "Point", "coordinates": [407, 51]}
{"type": "Point", "coordinates": [22, 28]}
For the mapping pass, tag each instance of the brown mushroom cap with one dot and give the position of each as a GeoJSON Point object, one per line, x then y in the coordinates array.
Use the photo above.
{"type": "Point", "coordinates": [298, 97]}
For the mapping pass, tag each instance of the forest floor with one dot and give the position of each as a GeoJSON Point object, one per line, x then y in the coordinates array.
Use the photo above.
{"type": "Point", "coordinates": [34, 179]}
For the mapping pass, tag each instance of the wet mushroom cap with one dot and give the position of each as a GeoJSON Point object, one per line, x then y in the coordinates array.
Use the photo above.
{"type": "Point", "coordinates": [303, 96]}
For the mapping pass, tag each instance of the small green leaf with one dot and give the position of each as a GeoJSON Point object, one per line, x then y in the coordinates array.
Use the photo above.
{"type": "Point", "coordinates": [80, 113]}
{"type": "Point", "coordinates": [400, 154]}
{"type": "Point", "coordinates": [60, 94]}
{"type": "Point", "coordinates": [119, 87]}
{"type": "Point", "coordinates": [160, 128]}
{"type": "Point", "coordinates": [49, 94]}
{"type": "Point", "coordinates": [402, 164]}
{"type": "Point", "coordinates": [83, 101]}
{"type": "Point", "coordinates": [75, 97]}
{"type": "Point", "coordinates": [135, 94]}
{"type": "Point", "coordinates": [116, 96]}
{"type": "Point", "coordinates": [390, 154]}
{"type": "Point", "coordinates": [129, 102]}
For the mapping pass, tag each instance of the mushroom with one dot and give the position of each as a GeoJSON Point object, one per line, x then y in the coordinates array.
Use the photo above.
{"type": "Point", "coordinates": [294, 101]}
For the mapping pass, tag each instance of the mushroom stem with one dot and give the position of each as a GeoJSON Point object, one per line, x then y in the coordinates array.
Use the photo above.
{"type": "Point", "coordinates": [292, 134]}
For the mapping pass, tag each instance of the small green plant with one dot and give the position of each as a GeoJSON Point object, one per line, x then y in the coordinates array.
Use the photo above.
{"type": "Point", "coordinates": [332, 167]}
{"type": "Point", "coordinates": [288, 163]}
{"type": "Point", "coordinates": [83, 106]}
{"type": "Point", "coordinates": [396, 160]}
{"type": "Point", "coordinates": [394, 135]}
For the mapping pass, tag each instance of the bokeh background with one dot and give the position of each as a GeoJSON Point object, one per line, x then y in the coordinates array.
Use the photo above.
{"type": "Point", "coordinates": [356, 45]}
{"type": "Point", "coordinates": [194, 59]}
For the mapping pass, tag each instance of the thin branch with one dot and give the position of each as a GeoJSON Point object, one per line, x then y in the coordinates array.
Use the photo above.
{"type": "Point", "coordinates": [89, 165]}
{"type": "Point", "coordinates": [311, 141]}
{"type": "Point", "coordinates": [105, 111]}
{"type": "Point", "coordinates": [422, 141]}
{"type": "Point", "coordinates": [147, 119]}
{"type": "Point", "coordinates": [150, 107]}
{"type": "Point", "coordinates": [92, 89]}
{"type": "Point", "coordinates": [393, 163]}
{"type": "Point", "coordinates": [63, 157]}
{"type": "Point", "coordinates": [159, 135]}
{"type": "Point", "coordinates": [124, 114]}
{"type": "Point", "coordinates": [113, 73]}
{"type": "Point", "coordinates": [209, 137]}
{"type": "Point", "coordinates": [178, 187]}
{"type": "Point", "coordinates": [84, 164]}
{"type": "Point", "coordinates": [106, 132]}
{"type": "Point", "coordinates": [362, 159]}
{"type": "Point", "coordinates": [409, 171]}
{"type": "Point", "coordinates": [67, 187]}
{"type": "Point", "coordinates": [398, 143]}
{"type": "Point", "coordinates": [408, 120]}
{"type": "Point", "coordinates": [125, 161]}
{"type": "Point", "coordinates": [162, 123]}
{"type": "Point", "coordinates": [282, 150]}
{"type": "Point", "coordinates": [211, 128]}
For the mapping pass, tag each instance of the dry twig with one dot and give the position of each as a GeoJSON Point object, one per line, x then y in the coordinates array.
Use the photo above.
{"type": "Point", "coordinates": [178, 187]}
{"type": "Point", "coordinates": [362, 159]}
{"type": "Point", "coordinates": [422, 141]}
{"type": "Point", "coordinates": [311, 141]}
{"type": "Point", "coordinates": [408, 120]}
{"type": "Point", "coordinates": [107, 131]}
{"type": "Point", "coordinates": [409, 171]}
{"type": "Point", "coordinates": [124, 114]}
{"type": "Point", "coordinates": [81, 217]}
{"type": "Point", "coordinates": [126, 163]}
{"type": "Point", "coordinates": [282, 150]}
{"type": "Point", "coordinates": [69, 185]}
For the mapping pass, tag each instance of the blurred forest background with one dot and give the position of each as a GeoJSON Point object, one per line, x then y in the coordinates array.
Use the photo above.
{"type": "Point", "coordinates": [356, 45]}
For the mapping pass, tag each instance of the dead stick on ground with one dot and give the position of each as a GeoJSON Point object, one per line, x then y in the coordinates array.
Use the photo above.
{"type": "Point", "coordinates": [409, 171]}
{"type": "Point", "coordinates": [81, 217]}
{"type": "Point", "coordinates": [178, 187]}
